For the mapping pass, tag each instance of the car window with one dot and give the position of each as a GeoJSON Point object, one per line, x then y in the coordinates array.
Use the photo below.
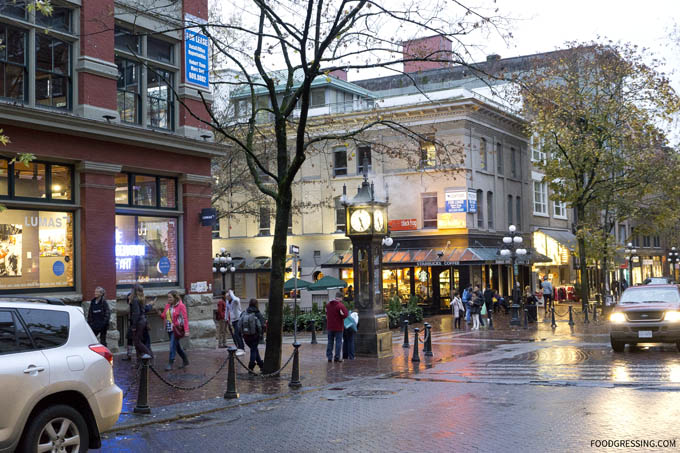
{"type": "Point", "coordinates": [49, 328]}
{"type": "Point", "coordinates": [639, 296]}
{"type": "Point", "coordinates": [13, 337]}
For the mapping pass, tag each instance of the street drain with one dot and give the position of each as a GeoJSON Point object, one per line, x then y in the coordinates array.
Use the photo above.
{"type": "Point", "coordinates": [370, 393]}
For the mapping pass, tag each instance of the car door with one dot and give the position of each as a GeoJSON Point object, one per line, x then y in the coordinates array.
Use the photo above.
{"type": "Point", "coordinates": [24, 374]}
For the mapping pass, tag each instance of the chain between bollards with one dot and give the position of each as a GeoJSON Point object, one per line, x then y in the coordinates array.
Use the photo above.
{"type": "Point", "coordinates": [585, 314]}
{"type": "Point", "coordinates": [295, 377]}
{"type": "Point", "coordinates": [571, 316]}
{"type": "Point", "coordinates": [427, 349]}
{"type": "Point", "coordinates": [231, 392]}
{"type": "Point", "coordinates": [313, 332]}
{"type": "Point", "coordinates": [142, 406]}
{"type": "Point", "coordinates": [406, 343]}
{"type": "Point", "coordinates": [553, 324]}
{"type": "Point", "coordinates": [416, 357]}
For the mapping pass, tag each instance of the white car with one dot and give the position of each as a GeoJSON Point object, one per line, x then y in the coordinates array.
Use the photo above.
{"type": "Point", "coordinates": [57, 391]}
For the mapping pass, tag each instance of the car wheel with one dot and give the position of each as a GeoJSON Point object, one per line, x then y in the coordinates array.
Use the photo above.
{"type": "Point", "coordinates": [617, 346]}
{"type": "Point", "coordinates": [56, 428]}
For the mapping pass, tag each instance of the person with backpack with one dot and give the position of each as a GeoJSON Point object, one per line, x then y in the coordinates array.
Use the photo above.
{"type": "Point", "coordinates": [336, 312]}
{"type": "Point", "coordinates": [467, 296]}
{"type": "Point", "coordinates": [251, 324]}
{"type": "Point", "coordinates": [348, 335]}
{"type": "Point", "coordinates": [177, 326]}
{"type": "Point", "coordinates": [99, 314]}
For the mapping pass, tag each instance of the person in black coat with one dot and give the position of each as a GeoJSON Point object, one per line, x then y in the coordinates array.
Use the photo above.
{"type": "Point", "coordinates": [531, 302]}
{"type": "Point", "coordinates": [99, 315]}
{"type": "Point", "coordinates": [138, 320]}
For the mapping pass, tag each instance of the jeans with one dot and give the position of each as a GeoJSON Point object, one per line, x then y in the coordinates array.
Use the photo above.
{"type": "Point", "coordinates": [176, 348]}
{"type": "Point", "coordinates": [238, 339]}
{"type": "Point", "coordinates": [348, 344]}
{"type": "Point", "coordinates": [334, 337]}
{"type": "Point", "coordinates": [547, 301]}
{"type": "Point", "coordinates": [456, 322]}
{"type": "Point", "coordinates": [222, 333]}
{"type": "Point", "coordinates": [467, 311]}
{"type": "Point", "coordinates": [252, 342]}
{"type": "Point", "coordinates": [137, 338]}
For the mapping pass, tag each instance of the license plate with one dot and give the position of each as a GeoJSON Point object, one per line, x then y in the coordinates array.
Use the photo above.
{"type": "Point", "coordinates": [645, 334]}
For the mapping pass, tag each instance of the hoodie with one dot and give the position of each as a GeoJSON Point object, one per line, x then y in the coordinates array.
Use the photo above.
{"type": "Point", "coordinates": [234, 307]}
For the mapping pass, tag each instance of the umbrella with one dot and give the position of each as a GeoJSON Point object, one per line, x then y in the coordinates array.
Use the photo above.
{"type": "Point", "coordinates": [290, 284]}
{"type": "Point", "coordinates": [327, 283]}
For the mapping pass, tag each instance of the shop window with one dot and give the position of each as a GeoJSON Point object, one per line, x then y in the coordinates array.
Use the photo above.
{"type": "Point", "coordinates": [483, 157]}
{"type": "Point", "coordinates": [146, 250]}
{"type": "Point", "coordinates": [364, 156]}
{"type": "Point", "coordinates": [30, 180]}
{"type": "Point", "coordinates": [430, 210]}
{"type": "Point", "coordinates": [148, 191]}
{"type": "Point", "coordinates": [499, 158]}
{"type": "Point", "coordinates": [13, 68]}
{"type": "Point", "coordinates": [265, 221]}
{"type": "Point", "coordinates": [339, 162]}
{"type": "Point", "coordinates": [129, 91]}
{"type": "Point", "coordinates": [36, 250]}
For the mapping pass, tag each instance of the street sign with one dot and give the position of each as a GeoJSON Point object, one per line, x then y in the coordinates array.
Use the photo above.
{"type": "Point", "coordinates": [208, 216]}
{"type": "Point", "coordinates": [196, 61]}
{"type": "Point", "coordinates": [294, 250]}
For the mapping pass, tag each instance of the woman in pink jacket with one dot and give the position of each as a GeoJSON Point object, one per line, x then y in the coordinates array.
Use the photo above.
{"type": "Point", "coordinates": [177, 326]}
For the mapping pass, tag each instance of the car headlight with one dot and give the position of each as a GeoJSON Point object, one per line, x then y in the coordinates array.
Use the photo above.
{"type": "Point", "coordinates": [673, 316]}
{"type": "Point", "coordinates": [617, 317]}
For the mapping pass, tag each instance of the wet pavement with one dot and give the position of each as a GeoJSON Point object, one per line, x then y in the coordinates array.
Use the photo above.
{"type": "Point", "coordinates": [569, 374]}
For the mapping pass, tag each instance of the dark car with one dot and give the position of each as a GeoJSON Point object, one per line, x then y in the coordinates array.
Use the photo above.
{"type": "Point", "coordinates": [646, 314]}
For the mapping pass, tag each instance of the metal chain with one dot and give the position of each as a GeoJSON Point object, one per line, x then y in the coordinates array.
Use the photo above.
{"type": "Point", "coordinates": [557, 313]}
{"type": "Point", "coordinates": [195, 387]}
{"type": "Point", "coordinates": [275, 373]}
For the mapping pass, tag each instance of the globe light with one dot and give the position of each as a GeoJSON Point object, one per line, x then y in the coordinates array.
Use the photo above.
{"type": "Point", "coordinates": [634, 251]}
{"type": "Point", "coordinates": [223, 250]}
{"type": "Point", "coordinates": [517, 239]}
{"type": "Point", "coordinates": [630, 245]}
{"type": "Point", "coordinates": [223, 270]}
{"type": "Point", "coordinates": [388, 241]}
{"type": "Point", "coordinates": [228, 259]}
{"type": "Point", "coordinates": [505, 252]}
{"type": "Point", "coordinates": [232, 269]}
{"type": "Point", "coordinates": [512, 228]}
{"type": "Point", "coordinates": [521, 251]}
{"type": "Point", "coordinates": [214, 269]}
{"type": "Point", "coordinates": [223, 259]}
{"type": "Point", "coordinates": [507, 240]}
{"type": "Point", "coordinates": [216, 261]}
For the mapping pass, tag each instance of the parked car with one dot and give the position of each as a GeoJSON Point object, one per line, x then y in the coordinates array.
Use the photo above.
{"type": "Point", "coordinates": [56, 380]}
{"type": "Point", "coordinates": [646, 314]}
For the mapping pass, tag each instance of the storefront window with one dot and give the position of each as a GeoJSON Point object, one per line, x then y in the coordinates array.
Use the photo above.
{"type": "Point", "coordinates": [347, 275]}
{"type": "Point", "coordinates": [29, 180]}
{"type": "Point", "coordinates": [36, 249]}
{"type": "Point", "coordinates": [146, 250]}
{"type": "Point", "coordinates": [389, 284]}
{"type": "Point", "coordinates": [404, 283]}
{"type": "Point", "coordinates": [423, 284]}
{"type": "Point", "coordinates": [144, 190]}
{"type": "Point", "coordinates": [4, 177]}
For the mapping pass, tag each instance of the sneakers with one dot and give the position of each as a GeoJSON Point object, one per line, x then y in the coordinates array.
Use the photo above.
{"type": "Point", "coordinates": [168, 367]}
{"type": "Point", "coordinates": [240, 352]}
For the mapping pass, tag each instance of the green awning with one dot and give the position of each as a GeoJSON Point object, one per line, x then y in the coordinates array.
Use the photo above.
{"type": "Point", "coordinates": [327, 283]}
{"type": "Point", "coordinates": [290, 284]}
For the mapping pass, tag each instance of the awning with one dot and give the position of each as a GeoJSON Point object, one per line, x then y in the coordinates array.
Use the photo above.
{"type": "Point", "coordinates": [327, 283]}
{"type": "Point", "coordinates": [435, 257]}
{"type": "Point", "coordinates": [564, 237]}
{"type": "Point", "coordinates": [290, 284]}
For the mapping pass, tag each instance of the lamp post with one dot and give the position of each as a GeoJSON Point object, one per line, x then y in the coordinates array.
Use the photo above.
{"type": "Point", "coordinates": [631, 252]}
{"type": "Point", "coordinates": [673, 259]}
{"type": "Point", "coordinates": [512, 248]}
{"type": "Point", "coordinates": [223, 263]}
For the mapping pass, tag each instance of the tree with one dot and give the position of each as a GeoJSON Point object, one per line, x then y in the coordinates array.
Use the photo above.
{"type": "Point", "coordinates": [600, 112]}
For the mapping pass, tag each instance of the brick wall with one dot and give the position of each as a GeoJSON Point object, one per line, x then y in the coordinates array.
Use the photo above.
{"type": "Point", "coordinates": [96, 28]}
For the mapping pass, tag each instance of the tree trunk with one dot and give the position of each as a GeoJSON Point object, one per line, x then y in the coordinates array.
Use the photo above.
{"type": "Point", "coordinates": [272, 356]}
{"type": "Point", "coordinates": [583, 262]}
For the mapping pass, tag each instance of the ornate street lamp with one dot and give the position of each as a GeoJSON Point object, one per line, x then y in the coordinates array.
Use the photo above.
{"type": "Point", "coordinates": [673, 259]}
{"type": "Point", "coordinates": [512, 248]}
{"type": "Point", "coordinates": [631, 253]}
{"type": "Point", "coordinates": [223, 263]}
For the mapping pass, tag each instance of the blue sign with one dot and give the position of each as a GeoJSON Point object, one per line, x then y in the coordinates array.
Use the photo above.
{"type": "Point", "coordinates": [58, 268]}
{"type": "Point", "coordinates": [196, 59]}
{"type": "Point", "coordinates": [163, 265]}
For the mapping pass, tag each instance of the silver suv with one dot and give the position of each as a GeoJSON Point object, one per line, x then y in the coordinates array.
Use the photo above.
{"type": "Point", "coordinates": [56, 380]}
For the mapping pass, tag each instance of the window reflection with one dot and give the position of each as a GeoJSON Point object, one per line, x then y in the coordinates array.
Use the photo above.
{"type": "Point", "coordinates": [159, 98]}
{"type": "Point", "coordinates": [144, 190]}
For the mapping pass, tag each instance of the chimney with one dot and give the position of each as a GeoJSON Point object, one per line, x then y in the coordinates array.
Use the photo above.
{"type": "Point", "coordinates": [339, 74]}
{"type": "Point", "coordinates": [493, 57]}
{"type": "Point", "coordinates": [430, 48]}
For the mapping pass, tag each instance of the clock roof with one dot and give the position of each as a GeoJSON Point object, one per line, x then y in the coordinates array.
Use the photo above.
{"type": "Point", "coordinates": [365, 195]}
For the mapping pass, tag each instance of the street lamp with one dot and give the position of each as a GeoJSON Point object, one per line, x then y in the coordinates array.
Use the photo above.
{"type": "Point", "coordinates": [223, 263]}
{"type": "Point", "coordinates": [673, 258]}
{"type": "Point", "coordinates": [512, 248]}
{"type": "Point", "coordinates": [631, 253]}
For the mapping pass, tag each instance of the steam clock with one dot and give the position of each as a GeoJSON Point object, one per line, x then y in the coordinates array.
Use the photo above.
{"type": "Point", "coordinates": [367, 227]}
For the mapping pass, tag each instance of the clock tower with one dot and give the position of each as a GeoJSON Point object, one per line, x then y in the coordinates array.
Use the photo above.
{"type": "Point", "coordinates": [366, 228]}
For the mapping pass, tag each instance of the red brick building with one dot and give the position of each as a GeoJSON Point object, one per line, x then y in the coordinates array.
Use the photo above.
{"type": "Point", "coordinates": [121, 169]}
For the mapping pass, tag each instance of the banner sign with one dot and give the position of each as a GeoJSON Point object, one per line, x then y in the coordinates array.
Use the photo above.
{"type": "Point", "coordinates": [196, 60]}
{"type": "Point", "coordinates": [403, 224]}
{"type": "Point", "coordinates": [460, 200]}
{"type": "Point", "coordinates": [451, 220]}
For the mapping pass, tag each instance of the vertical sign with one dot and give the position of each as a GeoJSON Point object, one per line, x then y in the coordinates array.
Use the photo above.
{"type": "Point", "coordinates": [196, 61]}
{"type": "Point", "coordinates": [472, 201]}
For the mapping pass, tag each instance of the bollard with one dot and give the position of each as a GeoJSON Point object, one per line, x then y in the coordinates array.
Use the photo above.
{"type": "Point", "coordinates": [526, 318]}
{"type": "Point", "coordinates": [313, 333]}
{"type": "Point", "coordinates": [416, 357]}
{"type": "Point", "coordinates": [142, 406]}
{"type": "Point", "coordinates": [571, 316]}
{"type": "Point", "coordinates": [231, 392]}
{"type": "Point", "coordinates": [406, 345]}
{"type": "Point", "coordinates": [295, 377]}
{"type": "Point", "coordinates": [553, 324]}
{"type": "Point", "coordinates": [595, 312]}
{"type": "Point", "coordinates": [585, 314]}
{"type": "Point", "coordinates": [428, 342]}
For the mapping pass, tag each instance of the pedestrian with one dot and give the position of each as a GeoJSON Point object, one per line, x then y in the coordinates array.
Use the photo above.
{"type": "Point", "coordinates": [234, 316]}
{"type": "Point", "coordinates": [99, 314]}
{"type": "Point", "coordinates": [457, 309]}
{"type": "Point", "coordinates": [548, 293]}
{"type": "Point", "coordinates": [176, 321]}
{"type": "Point", "coordinates": [336, 312]}
{"type": "Point", "coordinates": [467, 296]}
{"type": "Point", "coordinates": [221, 320]}
{"type": "Point", "coordinates": [252, 326]}
{"type": "Point", "coordinates": [138, 321]}
{"type": "Point", "coordinates": [476, 307]}
{"type": "Point", "coordinates": [530, 301]}
{"type": "Point", "coordinates": [128, 336]}
{"type": "Point", "coordinates": [351, 324]}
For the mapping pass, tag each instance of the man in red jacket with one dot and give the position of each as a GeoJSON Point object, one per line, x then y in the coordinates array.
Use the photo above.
{"type": "Point", "coordinates": [335, 317]}
{"type": "Point", "coordinates": [221, 321]}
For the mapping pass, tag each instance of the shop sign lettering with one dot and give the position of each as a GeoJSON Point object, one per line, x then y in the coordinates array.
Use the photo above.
{"type": "Point", "coordinates": [49, 222]}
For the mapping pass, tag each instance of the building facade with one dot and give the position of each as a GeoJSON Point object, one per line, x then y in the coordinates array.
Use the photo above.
{"type": "Point", "coordinates": [98, 93]}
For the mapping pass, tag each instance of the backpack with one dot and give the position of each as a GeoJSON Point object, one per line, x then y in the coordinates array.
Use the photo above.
{"type": "Point", "coordinates": [250, 324]}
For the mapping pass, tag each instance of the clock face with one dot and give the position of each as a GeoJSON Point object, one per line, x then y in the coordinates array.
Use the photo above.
{"type": "Point", "coordinates": [379, 220]}
{"type": "Point", "coordinates": [360, 220]}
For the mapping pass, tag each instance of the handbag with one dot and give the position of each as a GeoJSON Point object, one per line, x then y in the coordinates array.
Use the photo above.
{"type": "Point", "coordinates": [483, 312]}
{"type": "Point", "coordinates": [178, 329]}
{"type": "Point", "coordinates": [350, 324]}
